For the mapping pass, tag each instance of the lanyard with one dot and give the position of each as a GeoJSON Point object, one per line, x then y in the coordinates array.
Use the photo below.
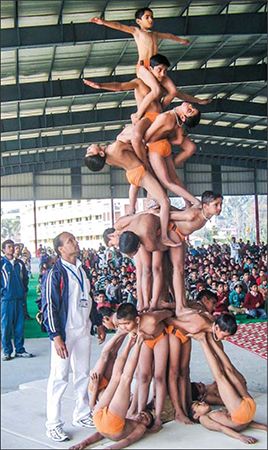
{"type": "Point", "coordinates": [81, 282]}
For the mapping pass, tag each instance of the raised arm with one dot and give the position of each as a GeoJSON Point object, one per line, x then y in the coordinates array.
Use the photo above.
{"type": "Point", "coordinates": [171, 37]}
{"type": "Point", "coordinates": [115, 25]}
{"type": "Point", "coordinates": [210, 424]}
{"type": "Point", "coordinates": [127, 86]}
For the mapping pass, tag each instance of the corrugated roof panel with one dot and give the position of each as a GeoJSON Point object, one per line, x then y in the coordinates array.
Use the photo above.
{"type": "Point", "coordinates": [242, 6]}
{"type": "Point", "coordinates": [34, 64]}
{"type": "Point", "coordinates": [8, 67]}
{"type": "Point", "coordinates": [203, 8]}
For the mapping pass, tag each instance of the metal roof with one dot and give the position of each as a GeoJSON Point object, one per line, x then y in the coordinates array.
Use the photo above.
{"type": "Point", "coordinates": [48, 47]}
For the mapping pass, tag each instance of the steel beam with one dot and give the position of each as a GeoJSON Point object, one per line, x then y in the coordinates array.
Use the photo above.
{"type": "Point", "coordinates": [113, 115]}
{"type": "Point", "coordinates": [63, 88]}
{"type": "Point", "coordinates": [220, 24]}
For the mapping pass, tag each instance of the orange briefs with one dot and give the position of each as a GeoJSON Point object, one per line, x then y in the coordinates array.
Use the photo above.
{"type": "Point", "coordinates": [173, 330]}
{"type": "Point", "coordinates": [103, 383]}
{"type": "Point", "coordinates": [162, 148]}
{"type": "Point", "coordinates": [108, 422]}
{"type": "Point", "coordinates": [143, 62]}
{"type": "Point", "coordinates": [152, 342]}
{"type": "Point", "coordinates": [134, 176]}
{"type": "Point", "coordinates": [151, 115]}
{"type": "Point", "coordinates": [245, 411]}
{"type": "Point", "coordinates": [173, 227]}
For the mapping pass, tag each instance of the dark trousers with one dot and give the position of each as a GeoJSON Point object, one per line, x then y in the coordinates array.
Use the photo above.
{"type": "Point", "coordinates": [12, 319]}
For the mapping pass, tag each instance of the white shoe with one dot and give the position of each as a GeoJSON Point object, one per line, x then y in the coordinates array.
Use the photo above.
{"type": "Point", "coordinates": [57, 434]}
{"type": "Point", "coordinates": [86, 421]}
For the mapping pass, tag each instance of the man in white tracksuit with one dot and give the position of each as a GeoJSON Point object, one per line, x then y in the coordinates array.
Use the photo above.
{"type": "Point", "coordinates": [66, 305]}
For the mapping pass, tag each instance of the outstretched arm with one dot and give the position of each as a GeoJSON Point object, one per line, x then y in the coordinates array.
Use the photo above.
{"type": "Point", "coordinates": [171, 37]}
{"type": "Point", "coordinates": [128, 86]}
{"type": "Point", "coordinates": [115, 25]}
{"type": "Point", "coordinates": [90, 440]}
{"type": "Point", "coordinates": [130, 439]}
{"type": "Point", "coordinates": [210, 424]}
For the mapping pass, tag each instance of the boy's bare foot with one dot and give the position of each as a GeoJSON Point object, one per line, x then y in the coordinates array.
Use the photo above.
{"type": "Point", "coordinates": [157, 426]}
{"type": "Point", "coordinates": [182, 418]}
{"type": "Point", "coordinates": [169, 243]}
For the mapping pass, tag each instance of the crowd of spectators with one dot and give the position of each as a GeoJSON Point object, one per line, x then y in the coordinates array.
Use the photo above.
{"type": "Point", "coordinates": [237, 277]}
{"type": "Point", "coordinates": [235, 272]}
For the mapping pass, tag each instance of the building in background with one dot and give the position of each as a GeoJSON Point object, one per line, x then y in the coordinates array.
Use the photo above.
{"type": "Point", "coordinates": [86, 219]}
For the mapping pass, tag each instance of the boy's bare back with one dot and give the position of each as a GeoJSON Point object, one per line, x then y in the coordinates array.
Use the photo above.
{"type": "Point", "coordinates": [121, 154]}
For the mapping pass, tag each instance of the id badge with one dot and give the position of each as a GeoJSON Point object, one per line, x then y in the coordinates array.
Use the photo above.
{"type": "Point", "coordinates": [83, 303]}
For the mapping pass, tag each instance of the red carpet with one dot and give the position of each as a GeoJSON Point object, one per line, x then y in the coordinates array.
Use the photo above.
{"type": "Point", "coordinates": [252, 337]}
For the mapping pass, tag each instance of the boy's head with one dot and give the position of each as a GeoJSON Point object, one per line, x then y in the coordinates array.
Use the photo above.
{"type": "Point", "coordinates": [95, 158]}
{"type": "Point", "coordinates": [146, 418]}
{"type": "Point", "coordinates": [198, 409]}
{"type": "Point", "coordinates": [144, 18]}
{"type": "Point", "coordinates": [129, 243]}
{"type": "Point", "coordinates": [8, 247]}
{"type": "Point", "coordinates": [208, 299]}
{"type": "Point", "coordinates": [158, 66]}
{"type": "Point", "coordinates": [128, 318]}
{"type": "Point", "coordinates": [107, 314]}
{"type": "Point", "coordinates": [110, 237]}
{"type": "Point", "coordinates": [101, 296]}
{"type": "Point", "coordinates": [220, 287]}
{"type": "Point", "coordinates": [254, 287]}
{"type": "Point", "coordinates": [114, 280]}
{"type": "Point", "coordinates": [225, 326]}
{"type": "Point", "coordinates": [238, 288]}
{"type": "Point", "coordinates": [188, 114]}
{"type": "Point", "coordinates": [212, 202]}
{"type": "Point", "coordinates": [197, 389]}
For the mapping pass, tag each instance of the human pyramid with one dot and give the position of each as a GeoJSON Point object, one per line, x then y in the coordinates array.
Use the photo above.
{"type": "Point", "coordinates": [159, 332]}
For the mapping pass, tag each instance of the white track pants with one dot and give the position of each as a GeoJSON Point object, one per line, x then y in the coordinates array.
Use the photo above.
{"type": "Point", "coordinates": [78, 344]}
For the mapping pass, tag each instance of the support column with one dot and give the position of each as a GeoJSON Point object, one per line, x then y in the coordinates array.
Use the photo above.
{"type": "Point", "coordinates": [34, 211]}
{"type": "Point", "coordinates": [216, 178]}
{"type": "Point", "coordinates": [257, 219]}
{"type": "Point", "coordinates": [256, 208]}
{"type": "Point", "coordinates": [112, 195]}
{"type": "Point", "coordinates": [76, 179]}
{"type": "Point", "coordinates": [185, 184]}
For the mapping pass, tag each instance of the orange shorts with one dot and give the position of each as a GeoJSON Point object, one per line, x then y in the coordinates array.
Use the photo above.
{"type": "Point", "coordinates": [152, 342]}
{"type": "Point", "coordinates": [162, 148]}
{"type": "Point", "coordinates": [107, 422]}
{"type": "Point", "coordinates": [134, 176]}
{"type": "Point", "coordinates": [173, 330]}
{"type": "Point", "coordinates": [245, 411]}
{"type": "Point", "coordinates": [103, 384]}
{"type": "Point", "coordinates": [143, 62]}
{"type": "Point", "coordinates": [152, 115]}
{"type": "Point", "coordinates": [172, 227]}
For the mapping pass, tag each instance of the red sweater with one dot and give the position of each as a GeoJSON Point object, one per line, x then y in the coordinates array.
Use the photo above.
{"type": "Point", "coordinates": [251, 301]}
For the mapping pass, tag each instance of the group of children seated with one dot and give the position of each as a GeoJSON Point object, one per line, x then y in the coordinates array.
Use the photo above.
{"type": "Point", "coordinates": [158, 332]}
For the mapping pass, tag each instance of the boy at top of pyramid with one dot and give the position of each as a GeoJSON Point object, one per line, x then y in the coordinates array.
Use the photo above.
{"type": "Point", "coordinates": [147, 44]}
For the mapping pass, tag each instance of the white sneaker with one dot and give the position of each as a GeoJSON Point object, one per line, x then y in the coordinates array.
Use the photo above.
{"type": "Point", "coordinates": [57, 434]}
{"type": "Point", "coordinates": [86, 421]}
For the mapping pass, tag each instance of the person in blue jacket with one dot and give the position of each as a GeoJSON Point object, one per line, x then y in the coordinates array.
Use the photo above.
{"type": "Point", "coordinates": [66, 306]}
{"type": "Point", "coordinates": [13, 287]}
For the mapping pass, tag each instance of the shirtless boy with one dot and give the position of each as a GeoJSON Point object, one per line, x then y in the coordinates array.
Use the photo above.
{"type": "Point", "coordinates": [147, 44]}
{"type": "Point", "coordinates": [158, 68]}
{"type": "Point", "coordinates": [131, 231]}
{"type": "Point", "coordinates": [121, 155]}
{"type": "Point", "coordinates": [156, 349]}
{"type": "Point", "coordinates": [110, 413]}
{"type": "Point", "coordinates": [240, 405]}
